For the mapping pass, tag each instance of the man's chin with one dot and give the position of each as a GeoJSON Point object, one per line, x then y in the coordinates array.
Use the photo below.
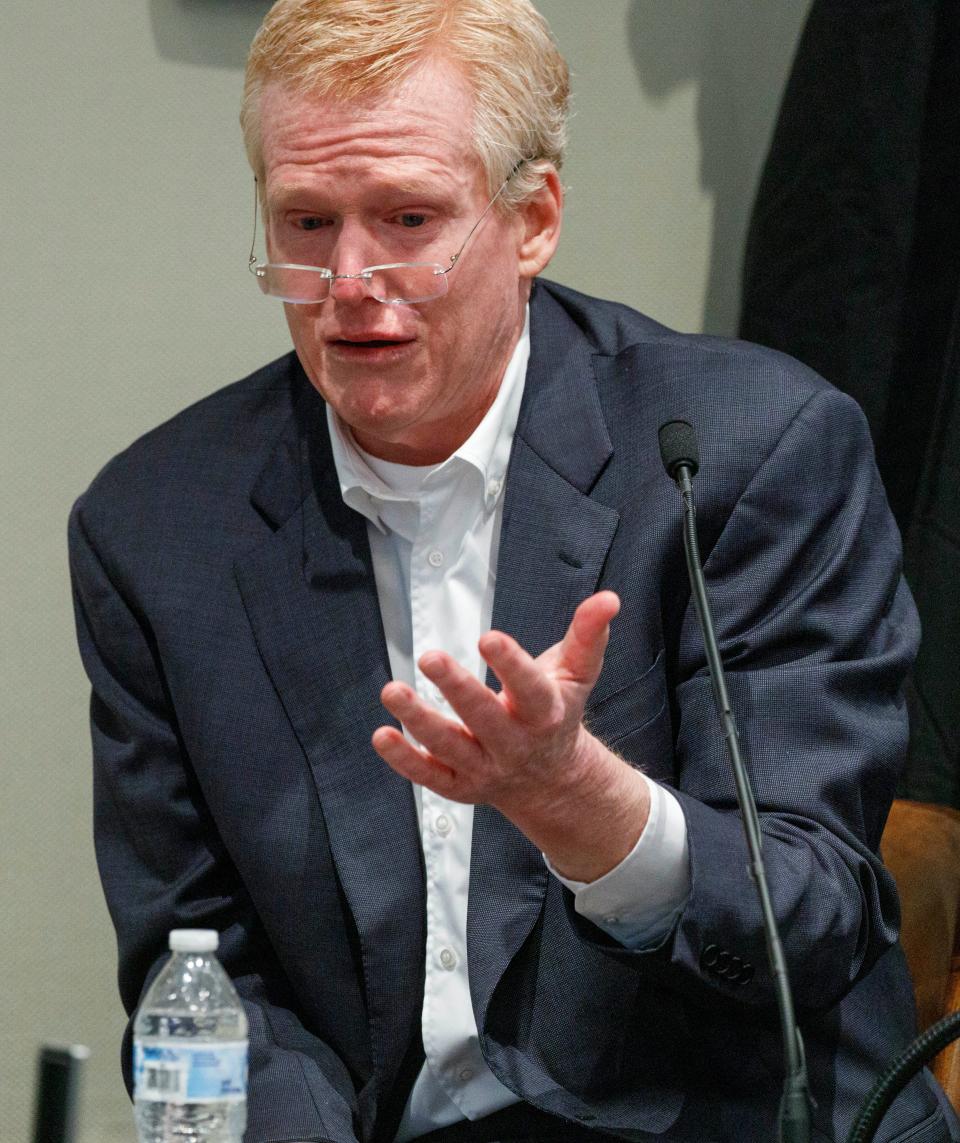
{"type": "Point", "coordinates": [398, 436]}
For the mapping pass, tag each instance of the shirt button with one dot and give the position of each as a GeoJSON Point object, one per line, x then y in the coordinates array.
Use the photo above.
{"type": "Point", "coordinates": [465, 1075]}
{"type": "Point", "coordinates": [612, 919]}
{"type": "Point", "coordinates": [448, 959]}
{"type": "Point", "coordinates": [493, 487]}
{"type": "Point", "coordinates": [435, 559]}
{"type": "Point", "coordinates": [443, 825]}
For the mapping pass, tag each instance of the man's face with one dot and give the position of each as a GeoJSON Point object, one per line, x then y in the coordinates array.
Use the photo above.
{"type": "Point", "coordinates": [395, 179]}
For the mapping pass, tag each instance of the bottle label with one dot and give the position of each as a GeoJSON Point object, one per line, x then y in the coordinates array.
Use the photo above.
{"type": "Point", "coordinates": [171, 1071]}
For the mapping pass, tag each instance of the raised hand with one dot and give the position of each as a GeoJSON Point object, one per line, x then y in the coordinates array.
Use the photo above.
{"type": "Point", "coordinates": [525, 750]}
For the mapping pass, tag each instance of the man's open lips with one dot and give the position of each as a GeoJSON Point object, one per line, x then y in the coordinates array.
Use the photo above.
{"type": "Point", "coordinates": [381, 350]}
{"type": "Point", "coordinates": [371, 343]}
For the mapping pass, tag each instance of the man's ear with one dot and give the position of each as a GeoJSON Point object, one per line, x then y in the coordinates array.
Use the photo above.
{"type": "Point", "coordinates": [541, 215]}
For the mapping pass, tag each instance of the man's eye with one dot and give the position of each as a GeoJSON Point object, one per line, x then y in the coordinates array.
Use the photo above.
{"type": "Point", "coordinates": [410, 220]}
{"type": "Point", "coordinates": [312, 223]}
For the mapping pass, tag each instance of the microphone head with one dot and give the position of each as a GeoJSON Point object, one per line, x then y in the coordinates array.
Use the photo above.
{"type": "Point", "coordinates": [678, 445]}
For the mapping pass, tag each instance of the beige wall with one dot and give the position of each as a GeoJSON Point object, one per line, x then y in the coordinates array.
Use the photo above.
{"type": "Point", "coordinates": [126, 208]}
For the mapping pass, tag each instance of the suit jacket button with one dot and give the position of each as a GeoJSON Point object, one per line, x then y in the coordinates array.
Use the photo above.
{"type": "Point", "coordinates": [723, 963]}
{"type": "Point", "coordinates": [734, 969]}
{"type": "Point", "coordinates": [745, 974]}
{"type": "Point", "coordinates": [708, 958]}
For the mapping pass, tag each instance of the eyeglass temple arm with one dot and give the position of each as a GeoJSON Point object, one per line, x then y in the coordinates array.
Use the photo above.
{"type": "Point", "coordinates": [252, 260]}
{"type": "Point", "coordinates": [454, 258]}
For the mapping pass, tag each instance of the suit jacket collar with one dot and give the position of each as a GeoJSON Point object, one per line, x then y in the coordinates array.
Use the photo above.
{"type": "Point", "coordinates": [560, 419]}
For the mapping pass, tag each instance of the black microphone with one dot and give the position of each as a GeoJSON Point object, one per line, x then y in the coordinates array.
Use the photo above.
{"type": "Point", "coordinates": [678, 450]}
{"type": "Point", "coordinates": [678, 445]}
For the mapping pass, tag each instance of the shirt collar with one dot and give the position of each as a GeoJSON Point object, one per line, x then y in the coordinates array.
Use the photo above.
{"type": "Point", "coordinates": [373, 487]}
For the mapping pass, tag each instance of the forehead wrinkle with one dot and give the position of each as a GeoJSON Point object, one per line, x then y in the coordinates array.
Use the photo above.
{"type": "Point", "coordinates": [407, 125]}
{"type": "Point", "coordinates": [282, 195]}
{"type": "Point", "coordinates": [335, 166]}
{"type": "Point", "coordinates": [353, 144]}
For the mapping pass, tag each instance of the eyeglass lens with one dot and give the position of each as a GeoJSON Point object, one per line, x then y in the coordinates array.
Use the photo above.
{"type": "Point", "coordinates": [404, 283]}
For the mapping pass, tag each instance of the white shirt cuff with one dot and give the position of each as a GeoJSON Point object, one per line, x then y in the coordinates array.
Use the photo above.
{"type": "Point", "coordinates": [637, 901]}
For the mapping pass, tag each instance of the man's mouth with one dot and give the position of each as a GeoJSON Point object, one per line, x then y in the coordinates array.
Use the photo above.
{"type": "Point", "coordinates": [373, 350]}
{"type": "Point", "coordinates": [370, 343]}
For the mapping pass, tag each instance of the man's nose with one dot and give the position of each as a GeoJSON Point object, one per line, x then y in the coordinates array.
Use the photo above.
{"type": "Point", "coordinates": [352, 254]}
{"type": "Point", "coordinates": [349, 287]}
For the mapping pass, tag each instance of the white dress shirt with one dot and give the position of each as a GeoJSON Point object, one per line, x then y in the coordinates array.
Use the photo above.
{"type": "Point", "coordinates": [434, 536]}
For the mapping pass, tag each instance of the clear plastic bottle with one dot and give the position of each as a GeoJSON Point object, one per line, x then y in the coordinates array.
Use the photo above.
{"type": "Point", "coordinates": [190, 1049]}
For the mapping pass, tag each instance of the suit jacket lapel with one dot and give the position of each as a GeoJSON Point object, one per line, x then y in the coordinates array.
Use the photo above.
{"type": "Point", "coordinates": [310, 595]}
{"type": "Point", "coordinates": [554, 542]}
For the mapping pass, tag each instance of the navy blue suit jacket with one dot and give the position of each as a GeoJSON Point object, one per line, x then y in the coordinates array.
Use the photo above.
{"type": "Point", "coordinates": [229, 623]}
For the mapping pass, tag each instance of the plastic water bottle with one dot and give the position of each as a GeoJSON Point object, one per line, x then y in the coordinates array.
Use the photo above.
{"type": "Point", "coordinates": [190, 1049]}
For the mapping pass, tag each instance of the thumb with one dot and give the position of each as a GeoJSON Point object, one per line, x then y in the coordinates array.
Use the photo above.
{"type": "Point", "coordinates": [584, 644]}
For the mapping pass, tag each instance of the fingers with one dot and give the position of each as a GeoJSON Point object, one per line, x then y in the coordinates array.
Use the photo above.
{"type": "Point", "coordinates": [447, 746]}
{"type": "Point", "coordinates": [530, 691]}
{"type": "Point", "coordinates": [542, 702]}
{"type": "Point", "coordinates": [583, 646]}
{"type": "Point", "coordinates": [531, 683]}
{"type": "Point", "coordinates": [413, 764]}
{"type": "Point", "coordinates": [530, 686]}
{"type": "Point", "coordinates": [440, 736]}
{"type": "Point", "coordinates": [473, 702]}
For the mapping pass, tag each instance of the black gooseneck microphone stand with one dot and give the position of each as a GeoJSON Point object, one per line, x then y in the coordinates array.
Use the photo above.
{"type": "Point", "coordinates": [678, 450]}
{"type": "Point", "coordinates": [915, 1056]}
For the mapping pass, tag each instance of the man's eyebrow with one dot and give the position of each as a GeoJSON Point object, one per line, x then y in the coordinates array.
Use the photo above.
{"type": "Point", "coordinates": [288, 194]}
{"type": "Point", "coordinates": [294, 193]}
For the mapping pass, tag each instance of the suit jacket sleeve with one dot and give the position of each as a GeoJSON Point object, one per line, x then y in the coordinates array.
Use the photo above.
{"type": "Point", "coordinates": [816, 629]}
{"type": "Point", "coordinates": [163, 866]}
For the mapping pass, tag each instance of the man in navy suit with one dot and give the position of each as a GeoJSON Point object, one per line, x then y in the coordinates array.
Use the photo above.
{"type": "Point", "coordinates": [396, 678]}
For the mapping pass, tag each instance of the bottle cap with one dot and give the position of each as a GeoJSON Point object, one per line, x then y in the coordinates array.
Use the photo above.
{"type": "Point", "coordinates": [194, 940]}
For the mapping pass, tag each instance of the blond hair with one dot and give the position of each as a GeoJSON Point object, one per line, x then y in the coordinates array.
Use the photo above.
{"type": "Point", "coordinates": [353, 48]}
